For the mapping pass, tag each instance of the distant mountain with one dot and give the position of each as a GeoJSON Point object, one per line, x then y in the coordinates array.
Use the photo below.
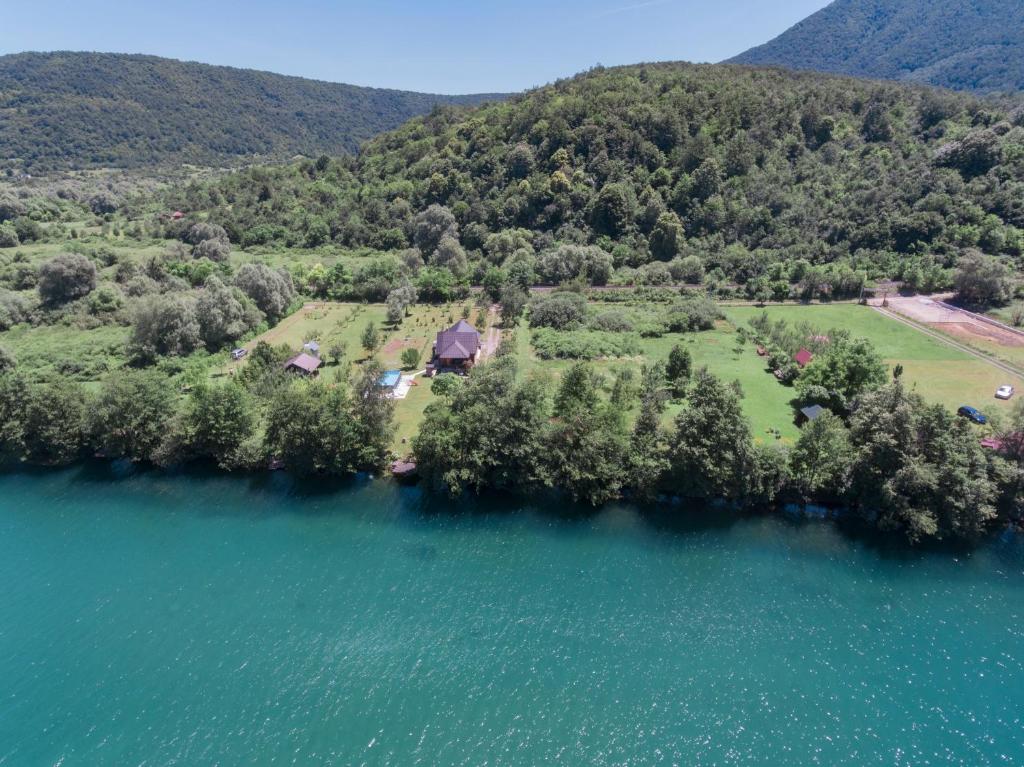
{"type": "Point", "coordinates": [975, 45]}
{"type": "Point", "coordinates": [79, 110]}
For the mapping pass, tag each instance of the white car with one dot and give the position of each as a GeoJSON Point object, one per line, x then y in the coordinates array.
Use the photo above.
{"type": "Point", "coordinates": [1004, 392]}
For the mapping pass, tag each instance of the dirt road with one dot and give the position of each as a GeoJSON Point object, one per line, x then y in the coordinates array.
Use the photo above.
{"type": "Point", "coordinates": [933, 310]}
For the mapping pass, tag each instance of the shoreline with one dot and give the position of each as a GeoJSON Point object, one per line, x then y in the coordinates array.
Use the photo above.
{"type": "Point", "coordinates": [663, 508]}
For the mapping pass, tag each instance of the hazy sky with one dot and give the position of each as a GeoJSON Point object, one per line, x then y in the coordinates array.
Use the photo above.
{"type": "Point", "coordinates": [444, 46]}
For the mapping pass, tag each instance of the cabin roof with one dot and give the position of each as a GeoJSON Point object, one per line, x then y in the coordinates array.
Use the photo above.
{"type": "Point", "coordinates": [812, 412]}
{"type": "Point", "coordinates": [459, 342]}
{"type": "Point", "coordinates": [304, 362]}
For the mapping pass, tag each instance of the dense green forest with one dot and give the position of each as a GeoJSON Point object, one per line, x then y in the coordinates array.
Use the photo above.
{"type": "Point", "coordinates": [666, 173]}
{"type": "Point", "coordinates": [962, 44]}
{"type": "Point", "coordinates": [80, 110]}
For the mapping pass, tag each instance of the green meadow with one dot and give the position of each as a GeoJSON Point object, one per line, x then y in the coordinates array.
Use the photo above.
{"type": "Point", "coordinates": [939, 372]}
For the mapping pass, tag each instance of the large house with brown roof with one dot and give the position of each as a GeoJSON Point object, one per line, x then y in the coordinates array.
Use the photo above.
{"type": "Point", "coordinates": [456, 349]}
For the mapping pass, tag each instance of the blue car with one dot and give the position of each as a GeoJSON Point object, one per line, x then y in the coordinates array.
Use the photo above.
{"type": "Point", "coordinates": [972, 414]}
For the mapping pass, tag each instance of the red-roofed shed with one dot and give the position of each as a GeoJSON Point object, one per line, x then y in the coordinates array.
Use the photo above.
{"type": "Point", "coordinates": [803, 358]}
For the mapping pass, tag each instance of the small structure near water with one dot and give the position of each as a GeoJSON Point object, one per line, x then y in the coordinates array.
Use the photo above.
{"type": "Point", "coordinates": [404, 469]}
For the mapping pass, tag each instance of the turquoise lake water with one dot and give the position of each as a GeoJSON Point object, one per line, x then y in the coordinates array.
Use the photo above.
{"type": "Point", "coordinates": [159, 620]}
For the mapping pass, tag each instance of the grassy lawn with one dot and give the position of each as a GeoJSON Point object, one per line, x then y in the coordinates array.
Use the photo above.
{"type": "Point", "coordinates": [343, 323]}
{"type": "Point", "coordinates": [50, 352]}
{"type": "Point", "coordinates": [940, 373]}
{"type": "Point", "coordinates": [766, 401]}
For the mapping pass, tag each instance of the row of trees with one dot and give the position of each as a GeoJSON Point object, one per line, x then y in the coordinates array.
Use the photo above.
{"type": "Point", "coordinates": [312, 426]}
{"type": "Point", "coordinates": [898, 463]}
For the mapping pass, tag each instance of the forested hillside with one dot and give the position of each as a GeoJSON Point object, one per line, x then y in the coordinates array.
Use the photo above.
{"type": "Point", "coordinates": [80, 110]}
{"type": "Point", "coordinates": [671, 171]}
{"type": "Point", "coordinates": [961, 44]}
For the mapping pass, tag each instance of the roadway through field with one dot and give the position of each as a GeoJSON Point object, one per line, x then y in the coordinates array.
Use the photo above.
{"type": "Point", "coordinates": [998, 364]}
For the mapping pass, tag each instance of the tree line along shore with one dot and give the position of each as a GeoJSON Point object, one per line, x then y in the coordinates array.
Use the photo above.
{"type": "Point", "coordinates": [122, 296]}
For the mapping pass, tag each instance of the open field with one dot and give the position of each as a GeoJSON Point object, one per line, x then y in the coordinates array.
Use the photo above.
{"type": "Point", "coordinates": [343, 323]}
{"type": "Point", "coordinates": [992, 340]}
{"type": "Point", "coordinates": [939, 372]}
{"type": "Point", "coordinates": [50, 352]}
{"type": "Point", "coordinates": [766, 402]}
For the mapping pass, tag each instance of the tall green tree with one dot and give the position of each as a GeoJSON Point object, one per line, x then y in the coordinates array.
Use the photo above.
{"type": "Point", "coordinates": [679, 369]}
{"type": "Point", "coordinates": [373, 413]}
{"type": "Point", "coordinates": [218, 419]}
{"type": "Point", "coordinates": [648, 462]}
{"type": "Point", "coordinates": [577, 391]}
{"type": "Point", "coordinates": [713, 451]}
{"type": "Point", "coordinates": [53, 423]}
{"type": "Point", "coordinates": [844, 370]}
{"type": "Point", "coordinates": [488, 433]}
{"type": "Point", "coordinates": [820, 461]}
{"type": "Point", "coordinates": [918, 469]}
{"type": "Point", "coordinates": [370, 339]}
{"type": "Point", "coordinates": [586, 452]}
{"type": "Point", "coordinates": [311, 429]}
{"type": "Point", "coordinates": [131, 415]}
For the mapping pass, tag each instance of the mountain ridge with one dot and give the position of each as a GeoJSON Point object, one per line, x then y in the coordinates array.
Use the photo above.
{"type": "Point", "coordinates": [68, 110]}
{"type": "Point", "coordinates": [970, 45]}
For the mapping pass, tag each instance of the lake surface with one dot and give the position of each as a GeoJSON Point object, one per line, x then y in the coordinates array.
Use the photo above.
{"type": "Point", "coordinates": [150, 619]}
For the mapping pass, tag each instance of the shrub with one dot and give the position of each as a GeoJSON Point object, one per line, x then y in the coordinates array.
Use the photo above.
{"type": "Point", "coordinates": [106, 299]}
{"type": "Point", "coordinates": [164, 325]}
{"type": "Point", "coordinates": [570, 262]}
{"type": "Point", "coordinates": [410, 358]}
{"type": "Point", "coordinates": [14, 309]}
{"type": "Point", "coordinates": [613, 321]}
{"type": "Point", "coordinates": [202, 232]}
{"type": "Point", "coordinates": [215, 250]}
{"type": "Point", "coordinates": [65, 278]}
{"type": "Point", "coordinates": [562, 311]}
{"type": "Point", "coordinates": [272, 291]}
{"type": "Point", "coordinates": [8, 236]}
{"type": "Point", "coordinates": [583, 344]}
{"type": "Point", "coordinates": [693, 313]}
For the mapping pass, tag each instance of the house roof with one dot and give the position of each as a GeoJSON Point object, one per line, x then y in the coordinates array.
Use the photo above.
{"type": "Point", "coordinates": [305, 362]}
{"type": "Point", "coordinates": [803, 357]}
{"type": "Point", "coordinates": [1008, 443]}
{"type": "Point", "coordinates": [459, 342]}
{"type": "Point", "coordinates": [812, 412]}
